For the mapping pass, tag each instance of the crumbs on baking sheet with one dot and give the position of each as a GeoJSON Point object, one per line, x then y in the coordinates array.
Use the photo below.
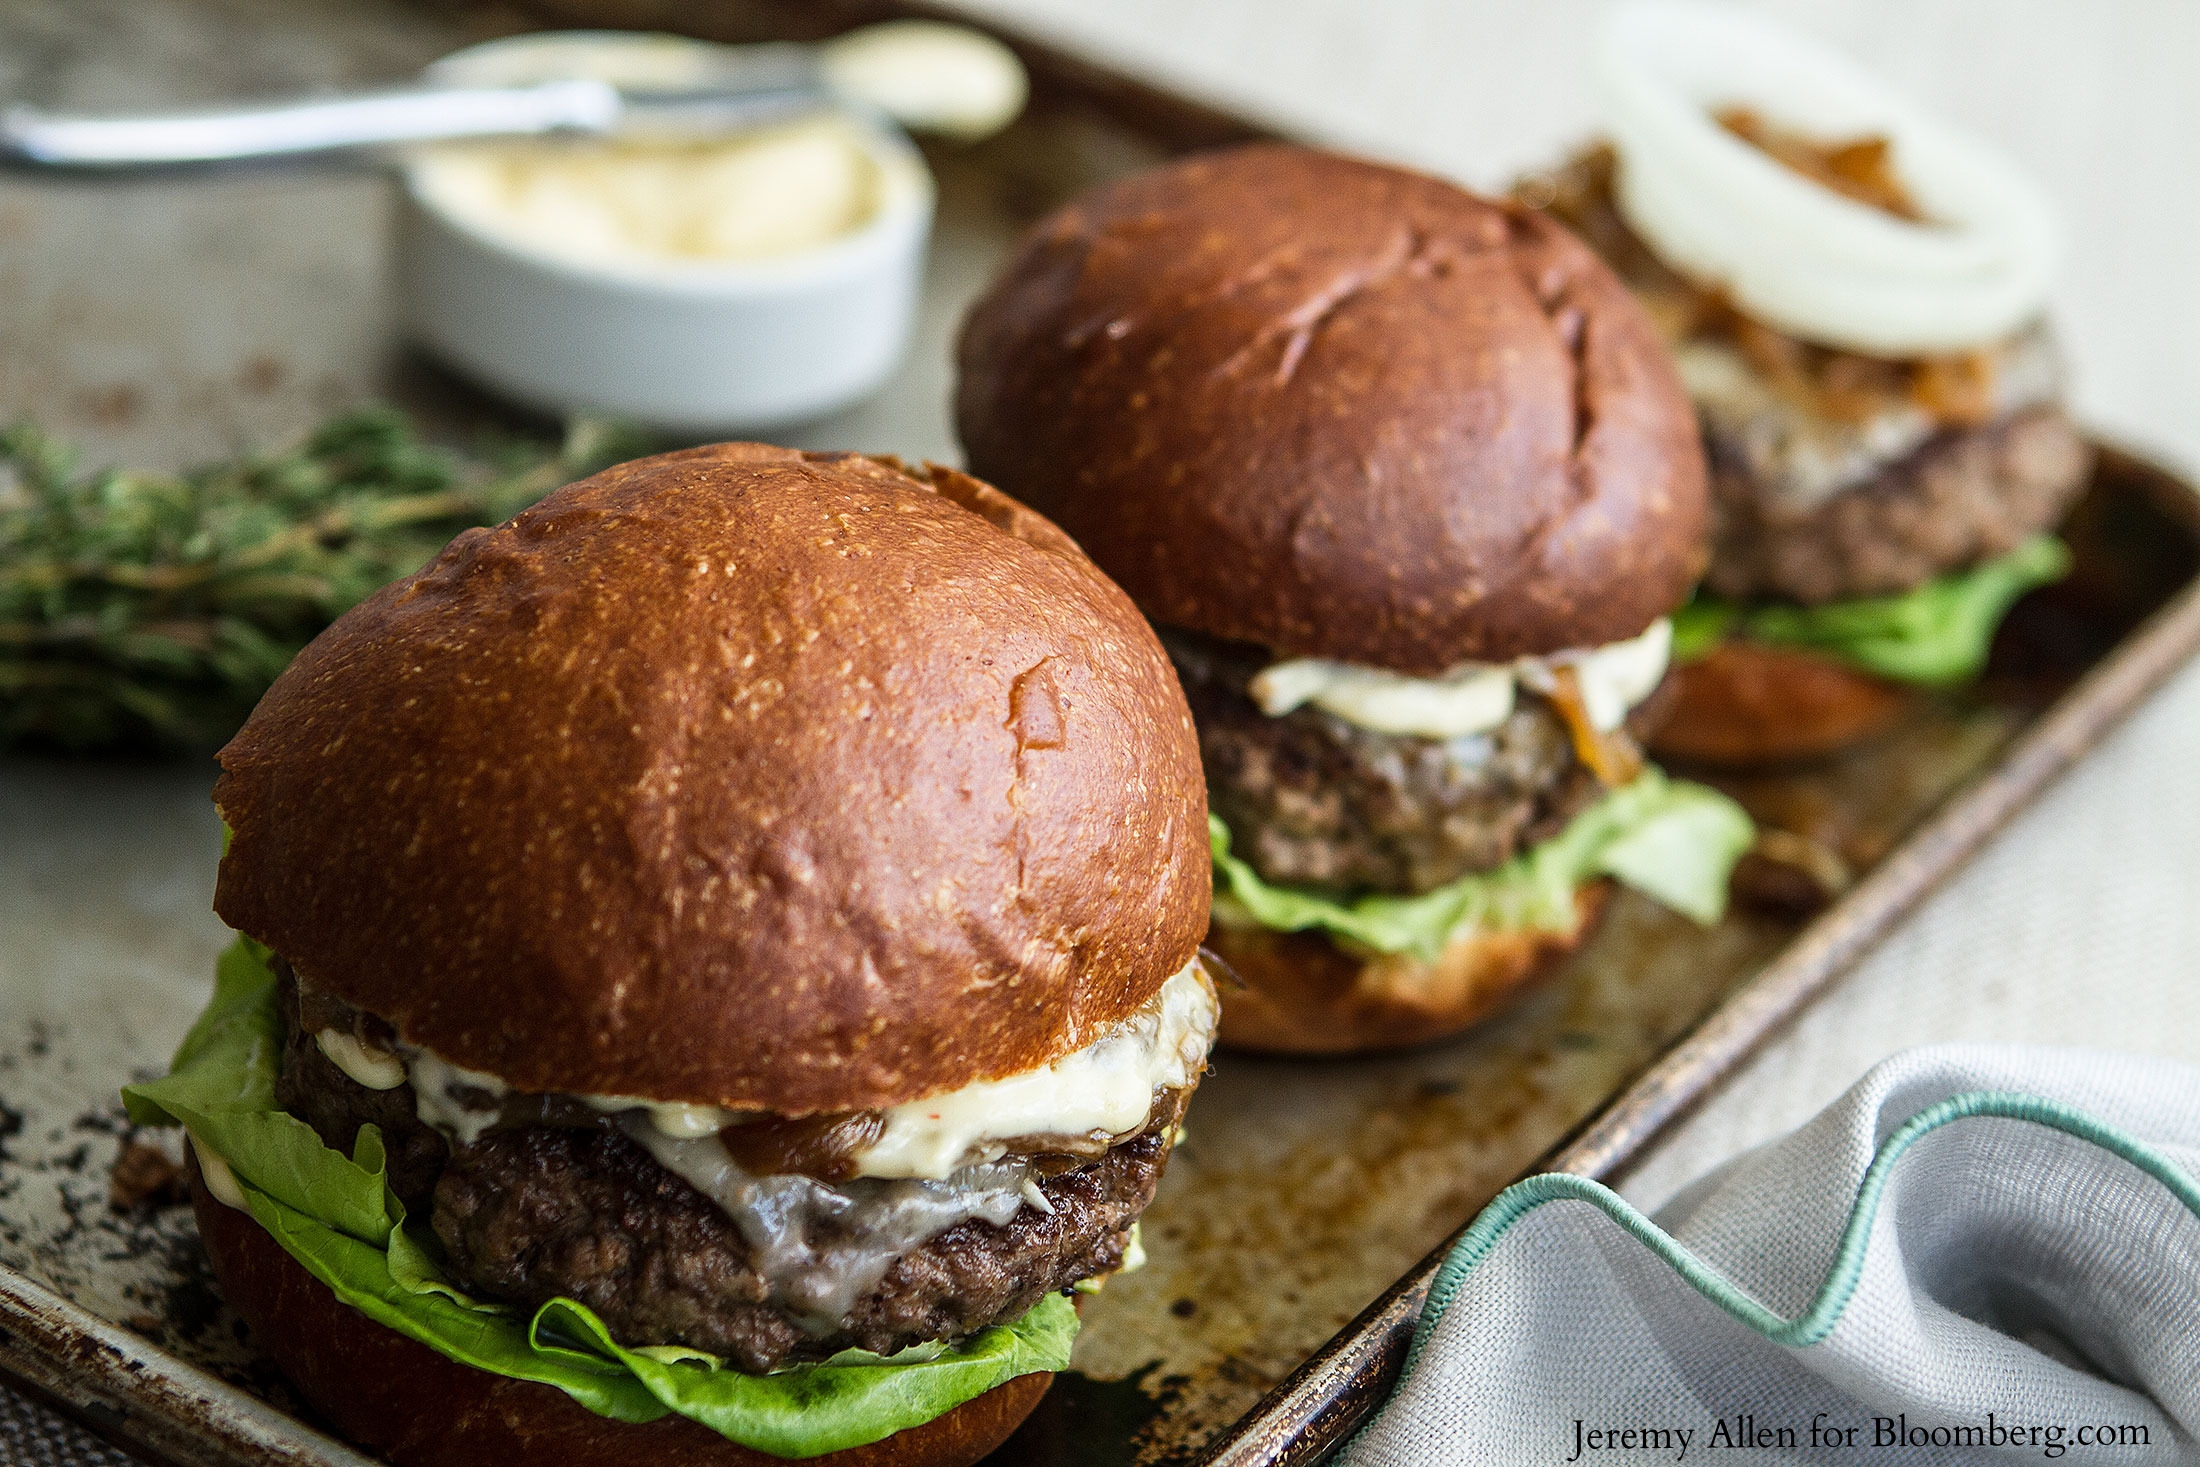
{"type": "Point", "coordinates": [94, 1208]}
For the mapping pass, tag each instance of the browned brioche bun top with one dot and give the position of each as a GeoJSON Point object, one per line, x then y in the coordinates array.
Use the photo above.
{"type": "Point", "coordinates": [1340, 410]}
{"type": "Point", "coordinates": [737, 776]}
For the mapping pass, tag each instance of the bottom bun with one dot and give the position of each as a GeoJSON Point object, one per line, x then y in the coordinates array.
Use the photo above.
{"type": "Point", "coordinates": [1746, 704]}
{"type": "Point", "coordinates": [1303, 994]}
{"type": "Point", "coordinates": [417, 1408]}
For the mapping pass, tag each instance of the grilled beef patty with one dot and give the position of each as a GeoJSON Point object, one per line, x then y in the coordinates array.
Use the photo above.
{"type": "Point", "coordinates": [1965, 495]}
{"type": "Point", "coordinates": [534, 1214]}
{"type": "Point", "coordinates": [531, 1213]}
{"type": "Point", "coordinates": [1312, 800]}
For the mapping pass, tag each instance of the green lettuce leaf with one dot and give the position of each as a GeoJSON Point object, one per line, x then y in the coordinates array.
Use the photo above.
{"type": "Point", "coordinates": [820, 1408]}
{"type": "Point", "coordinates": [1702, 625]}
{"type": "Point", "coordinates": [337, 1217]}
{"type": "Point", "coordinates": [1937, 634]}
{"type": "Point", "coordinates": [221, 1088]}
{"type": "Point", "coordinates": [1672, 840]}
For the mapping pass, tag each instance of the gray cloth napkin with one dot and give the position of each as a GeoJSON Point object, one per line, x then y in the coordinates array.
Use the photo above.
{"type": "Point", "coordinates": [1980, 1254]}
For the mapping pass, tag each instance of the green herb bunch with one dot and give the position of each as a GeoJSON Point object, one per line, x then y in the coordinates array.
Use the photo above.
{"type": "Point", "coordinates": [150, 611]}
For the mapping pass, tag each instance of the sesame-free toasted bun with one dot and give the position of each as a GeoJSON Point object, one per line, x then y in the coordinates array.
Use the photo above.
{"type": "Point", "coordinates": [1303, 994]}
{"type": "Point", "coordinates": [1340, 410]}
{"type": "Point", "coordinates": [417, 1408]}
{"type": "Point", "coordinates": [1748, 705]}
{"type": "Point", "coordinates": [737, 776]}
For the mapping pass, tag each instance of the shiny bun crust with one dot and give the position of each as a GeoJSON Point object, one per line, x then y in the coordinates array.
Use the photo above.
{"type": "Point", "coordinates": [1340, 410]}
{"type": "Point", "coordinates": [737, 776]}
{"type": "Point", "coordinates": [416, 1408]}
{"type": "Point", "coordinates": [1744, 705]}
{"type": "Point", "coordinates": [1302, 994]}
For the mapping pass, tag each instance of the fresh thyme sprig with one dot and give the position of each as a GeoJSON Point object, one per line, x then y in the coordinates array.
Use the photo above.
{"type": "Point", "coordinates": [144, 610]}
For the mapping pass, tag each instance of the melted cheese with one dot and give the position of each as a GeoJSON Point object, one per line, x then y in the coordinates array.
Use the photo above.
{"type": "Point", "coordinates": [821, 1246]}
{"type": "Point", "coordinates": [1472, 698]}
{"type": "Point", "coordinates": [1102, 1091]}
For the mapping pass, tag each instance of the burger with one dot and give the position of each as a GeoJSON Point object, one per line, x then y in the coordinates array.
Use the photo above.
{"type": "Point", "coordinates": [1408, 485]}
{"type": "Point", "coordinates": [718, 972]}
{"type": "Point", "coordinates": [1853, 293]}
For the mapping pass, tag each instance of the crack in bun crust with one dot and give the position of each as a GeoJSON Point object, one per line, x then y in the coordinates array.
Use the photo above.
{"type": "Point", "coordinates": [737, 776]}
{"type": "Point", "coordinates": [1340, 410]}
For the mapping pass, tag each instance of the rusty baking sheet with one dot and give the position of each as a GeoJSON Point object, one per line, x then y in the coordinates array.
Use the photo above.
{"type": "Point", "coordinates": [165, 321]}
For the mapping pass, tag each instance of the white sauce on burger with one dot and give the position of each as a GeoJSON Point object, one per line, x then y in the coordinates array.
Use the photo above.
{"type": "Point", "coordinates": [221, 1182]}
{"type": "Point", "coordinates": [938, 1162]}
{"type": "Point", "coordinates": [1472, 698]}
{"type": "Point", "coordinates": [1096, 1094]}
{"type": "Point", "coordinates": [377, 1069]}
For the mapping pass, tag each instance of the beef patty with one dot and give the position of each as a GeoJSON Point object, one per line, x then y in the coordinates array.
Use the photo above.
{"type": "Point", "coordinates": [1312, 800]}
{"type": "Point", "coordinates": [535, 1212]}
{"type": "Point", "coordinates": [1966, 495]}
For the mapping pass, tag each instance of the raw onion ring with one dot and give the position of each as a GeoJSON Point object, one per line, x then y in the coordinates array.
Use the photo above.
{"type": "Point", "coordinates": [1786, 250]}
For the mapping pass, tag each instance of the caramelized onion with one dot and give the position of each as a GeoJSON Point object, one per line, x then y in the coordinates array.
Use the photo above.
{"type": "Point", "coordinates": [1860, 168]}
{"type": "Point", "coordinates": [1611, 757]}
{"type": "Point", "coordinates": [823, 1146]}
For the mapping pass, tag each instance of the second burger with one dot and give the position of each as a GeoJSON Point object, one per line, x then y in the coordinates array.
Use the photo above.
{"type": "Point", "coordinates": [1410, 487]}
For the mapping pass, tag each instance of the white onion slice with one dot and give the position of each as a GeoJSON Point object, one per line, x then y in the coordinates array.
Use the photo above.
{"type": "Point", "coordinates": [1793, 253]}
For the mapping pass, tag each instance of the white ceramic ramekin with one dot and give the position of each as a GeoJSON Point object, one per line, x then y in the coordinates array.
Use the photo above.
{"type": "Point", "coordinates": [687, 347]}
